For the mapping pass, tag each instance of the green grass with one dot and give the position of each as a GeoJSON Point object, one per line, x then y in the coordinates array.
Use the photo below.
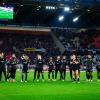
{"type": "Point", "coordinates": [49, 90]}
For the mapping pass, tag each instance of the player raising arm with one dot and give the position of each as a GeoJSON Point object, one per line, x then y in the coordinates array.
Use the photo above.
{"type": "Point", "coordinates": [25, 61]}
{"type": "Point", "coordinates": [63, 68]}
{"type": "Point", "coordinates": [89, 67]}
{"type": "Point", "coordinates": [13, 64]}
{"type": "Point", "coordinates": [39, 65]}
{"type": "Point", "coordinates": [2, 65]}
{"type": "Point", "coordinates": [74, 63]}
{"type": "Point", "coordinates": [57, 67]}
{"type": "Point", "coordinates": [51, 68]}
{"type": "Point", "coordinates": [98, 70]}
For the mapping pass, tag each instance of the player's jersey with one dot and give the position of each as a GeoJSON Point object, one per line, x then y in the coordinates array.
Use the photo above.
{"type": "Point", "coordinates": [89, 64]}
{"type": "Point", "coordinates": [8, 57]}
{"type": "Point", "coordinates": [13, 61]}
{"type": "Point", "coordinates": [40, 63]}
{"type": "Point", "coordinates": [63, 64]}
{"type": "Point", "coordinates": [25, 64]}
{"type": "Point", "coordinates": [58, 64]}
{"type": "Point", "coordinates": [51, 64]}
{"type": "Point", "coordinates": [75, 66]}
{"type": "Point", "coordinates": [98, 67]}
{"type": "Point", "coordinates": [2, 61]}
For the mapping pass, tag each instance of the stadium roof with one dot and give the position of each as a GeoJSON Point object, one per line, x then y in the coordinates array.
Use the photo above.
{"type": "Point", "coordinates": [34, 13]}
{"type": "Point", "coordinates": [53, 1]}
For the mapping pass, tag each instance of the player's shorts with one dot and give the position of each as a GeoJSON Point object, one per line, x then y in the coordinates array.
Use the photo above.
{"type": "Point", "coordinates": [40, 70]}
{"type": "Point", "coordinates": [98, 69]}
{"type": "Point", "coordinates": [8, 68]}
{"type": "Point", "coordinates": [35, 68]}
{"type": "Point", "coordinates": [63, 69]}
{"type": "Point", "coordinates": [25, 69]}
{"type": "Point", "coordinates": [50, 69]}
{"type": "Point", "coordinates": [74, 69]}
{"type": "Point", "coordinates": [89, 70]}
{"type": "Point", "coordinates": [13, 68]}
{"type": "Point", "coordinates": [58, 69]}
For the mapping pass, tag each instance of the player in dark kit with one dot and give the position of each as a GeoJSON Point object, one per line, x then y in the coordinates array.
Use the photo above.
{"type": "Point", "coordinates": [75, 66]}
{"type": "Point", "coordinates": [57, 67]}
{"type": "Point", "coordinates": [8, 57]}
{"type": "Point", "coordinates": [13, 64]}
{"type": "Point", "coordinates": [89, 68]}
{"type": "Point", "coordinates": [70, 67]}
{"type": "Point", "coordinates": [40, 64]}
{"type": "Point", "coordinates": [79, 64]}
{"type": "Point", "coordinates": [63, 68]}
{"type": "Point", "coordinates": [25, 61]}
{"type": "Point", "coordinates": [51, 68]}
{"type": "Point", "coordinates": [98, 70]}
{"type": "Point", "coordinates": [35, 70]}
{"type": "Point", "coordinates": [2, 65]}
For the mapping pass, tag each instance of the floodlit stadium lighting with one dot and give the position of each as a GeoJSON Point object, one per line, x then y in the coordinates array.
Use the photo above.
{"type": "Point", "coordinates": [21, 5]}
{"type": "Point", "coordinates": [50, 7]}
{"type": "Point", "coordinates": [66, 9]}
{"type": "Point", "coordinates": [53, 8]}
{"type": "Point", "coordinates": [61, 18]}
{"type": "Point", "coordinates": [75, 19]}
{"type": "Point", "coordinates": [47, 7]}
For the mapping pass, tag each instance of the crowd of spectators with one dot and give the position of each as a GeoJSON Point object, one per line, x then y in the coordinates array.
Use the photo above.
{"type": "Point", "coordinates": [75, 39]}
{"type": "Point", "coordinates": [14, 42]}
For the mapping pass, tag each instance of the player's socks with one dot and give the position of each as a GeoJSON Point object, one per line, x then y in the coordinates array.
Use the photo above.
{"type": "Point", "coordinates": [78, 80]}
{"type": "Point", "coordinates": [91, 77]}
{"type": "Point", "coordinates": [74, 79]}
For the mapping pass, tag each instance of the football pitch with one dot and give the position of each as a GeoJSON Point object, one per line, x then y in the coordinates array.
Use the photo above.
{"type": "Point", "coordinates": [50, 90]}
